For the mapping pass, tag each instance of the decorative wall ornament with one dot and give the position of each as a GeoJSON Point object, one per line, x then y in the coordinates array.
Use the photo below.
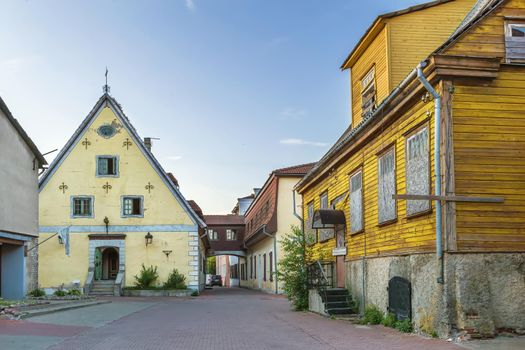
{"type": "Point", "coordinates": [149, 187]}
{"type": "Point", "coordinates": [107, 187]}
{"type": "Point", "coordinates": [63, 187]}
{"type": "Point", "coordinates": [86, 143]}
{"type": "Point", "coordinates": [127, 143]}
{"type": "Point", "coordinates": [106, 131]}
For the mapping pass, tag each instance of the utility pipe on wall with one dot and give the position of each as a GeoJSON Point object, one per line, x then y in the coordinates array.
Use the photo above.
{"type": "Point", "coordinates": [437, 166]}
{"type": "Point", "coordinates": [274, 257]}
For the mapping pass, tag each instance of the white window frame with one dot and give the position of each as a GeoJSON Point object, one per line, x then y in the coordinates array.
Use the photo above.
{"type": "Point", "coordinates": [91, 207]}
{"type": "Point", "coordinates": [122, 206]}
{"type": "Point", "coordinates": [311, 233]}
{"type": "Point", "coordinates": [325, 234]}
{"type": "Point", "coordinates": [368, 83]}
{"type": "Point", "coordinates": [213, 235]}
{"type": "Point", "coordinates": [390, 151]}
{"type": "Point", "coordinates": [409, 173]}
{"type": "Point", "coordinates": [353, 193]}
{"type": "Point", "coordinates": [116, 161]}
{"type": "Point", "coordinates": [514, 41]}
{"type": "Point", "coordinates": [231, 235]}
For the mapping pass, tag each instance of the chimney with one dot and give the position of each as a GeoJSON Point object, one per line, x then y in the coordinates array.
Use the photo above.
{"type": "Point", "coordinates": [147, 143]}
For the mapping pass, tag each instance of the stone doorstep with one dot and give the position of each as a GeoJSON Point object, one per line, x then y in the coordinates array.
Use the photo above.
{"type": "Point", "coordinates": [61, 307]}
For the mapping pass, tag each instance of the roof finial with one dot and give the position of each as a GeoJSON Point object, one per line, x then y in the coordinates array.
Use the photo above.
{"type": "Point", "coordinates": [106, 87]}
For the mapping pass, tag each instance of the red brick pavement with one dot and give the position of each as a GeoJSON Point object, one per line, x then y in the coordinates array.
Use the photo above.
{"type": "Point", "coordinates": [8, 327]}
{"type": "Point", "coordinates": [239, 319]}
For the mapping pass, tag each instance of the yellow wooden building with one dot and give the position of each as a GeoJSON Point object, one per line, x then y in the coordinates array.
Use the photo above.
{"type": "Point", "coordinates": [443, 245]}
{"type": "Point", "coordinates": [107, 207]}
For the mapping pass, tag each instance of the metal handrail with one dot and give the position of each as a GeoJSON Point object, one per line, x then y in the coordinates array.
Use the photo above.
{"type": "Point", "coordinates": [322, 272]}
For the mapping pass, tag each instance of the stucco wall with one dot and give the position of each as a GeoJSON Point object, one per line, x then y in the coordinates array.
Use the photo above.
{"type": "Point", "coordinates": [481, 294]}
{"type": "Point", "coordinates": [19, 182]}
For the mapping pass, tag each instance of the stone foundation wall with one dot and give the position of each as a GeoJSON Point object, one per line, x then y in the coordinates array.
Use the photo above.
{"type": "Point", "coordinates": [482, 293]}
{"type": "Point", "coordinates": [32, 265]}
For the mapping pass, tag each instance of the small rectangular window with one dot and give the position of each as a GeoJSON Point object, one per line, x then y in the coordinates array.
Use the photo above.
{"type": "Point", "coordinates": [255, 266]}
{"type": "Point", "coordinates": [386, 187]}
{"type": "Point", "coordinates": [311, 234]}
{"type": "Point", "coordinates": [264, 267]}
{"type": "Point", "coordinates": [231, 235]}
{"type": "Point", "coordinates": [82, 207]}
{"type": "Point", "coordinates": [356, 202]}
{"type": "Point", "coordinates": [213, 235]}
{"type": "Point", "coordinates": [368, 92]}
{"type": "Point", "coordinates": [325, 234]}
{"type": "Point", "coordinates": [270, 257]}
{"type": "Point", "coordinates": [107, 166]}
{"type": "Point", "coordinates": [515, 41]}
{"type": "Point", "coordinates": [417, 158]}
{"type": "Point", "coordinates": [132, 206]}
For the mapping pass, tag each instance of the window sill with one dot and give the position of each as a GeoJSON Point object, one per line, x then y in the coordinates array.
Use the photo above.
{"type": "Point", "coordinates": [386, 223]}
{"type": "Point", "coordinates": [417, 215]}
{"type": "Point", "coordinates": [110, 176]}
{"type": "Point", "coordinates": [357, 232]}
{"type": "Point", "coordinates": [82, 216]}
{"type": "Point", "coordinates": [131, 216]}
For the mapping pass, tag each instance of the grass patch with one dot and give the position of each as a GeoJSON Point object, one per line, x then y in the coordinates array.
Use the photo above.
{"type": "Point", "coordinates": [389, 320]}
{"type": "Point", "coordinates": [372, 315]}
{"type": "Point", "coordinates": [404, 326]}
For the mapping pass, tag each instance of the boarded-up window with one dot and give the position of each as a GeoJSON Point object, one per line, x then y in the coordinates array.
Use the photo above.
{"type": "Point", "coordinates": [356, 202]}
{"type": "Point", "coordinates": [368, 92]}
{"type": "Point", "coordinates": [418, 171]}
{"type": "Point", "coordinates": [515, 41]}
{"type": "Point", "coordinates": [310, 233]}
{"type": "Point", "coordinates": [325, 234]}
{"type": "Point", "coordinates": [386, 187]}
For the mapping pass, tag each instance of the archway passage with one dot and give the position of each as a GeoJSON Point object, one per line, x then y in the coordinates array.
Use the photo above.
{"type": "Point", "coordinates": [106, 263]}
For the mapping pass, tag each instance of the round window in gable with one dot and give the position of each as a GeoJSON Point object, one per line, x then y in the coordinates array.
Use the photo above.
{"type": "Point", "coordinates": [106, 131]}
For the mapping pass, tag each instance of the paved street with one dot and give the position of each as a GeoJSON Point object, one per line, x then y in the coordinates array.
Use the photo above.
{"type": "Point", "coordinates": [218, 319]}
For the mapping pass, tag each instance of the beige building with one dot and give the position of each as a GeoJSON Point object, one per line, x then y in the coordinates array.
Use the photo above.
{"type": "Point", "coordinates": [269, 217]}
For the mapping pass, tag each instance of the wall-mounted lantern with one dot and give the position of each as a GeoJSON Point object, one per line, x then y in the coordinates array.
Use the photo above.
{"type": "Point", "coordinates": [328, 219]}
{"type": "Point", "coordinates": [149, 238]}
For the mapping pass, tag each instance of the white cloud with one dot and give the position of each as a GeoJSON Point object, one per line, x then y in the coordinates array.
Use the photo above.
{"type": "Point", "coordinates": [301, 142]}
{"type": "Point", "coordinates": [174, 157]}
{"type": "Point", "coordinates": [293, 113]}
{"type": "Point", "coordinates": [190, 4]}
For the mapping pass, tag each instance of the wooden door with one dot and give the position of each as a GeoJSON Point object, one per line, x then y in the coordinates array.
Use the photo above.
{"type": "Point", "coordinates": [113, 265]}
{"type": "Point", "coordinates": [98, 264]}
{"type": "Point", "coordinates": [340, 271]}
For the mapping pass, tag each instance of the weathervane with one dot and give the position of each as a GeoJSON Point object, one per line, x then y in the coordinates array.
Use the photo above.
{"type": "Point", "coordinates": [106, 87]}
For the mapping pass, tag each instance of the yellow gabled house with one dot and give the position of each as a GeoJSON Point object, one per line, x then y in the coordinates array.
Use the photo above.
{"type": "Point", "coordinates": [418, 208]}
{"type": "Point", "coordinates": [107, 207]}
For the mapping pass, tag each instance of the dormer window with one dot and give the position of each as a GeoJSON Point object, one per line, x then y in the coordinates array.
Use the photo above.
{"type": "Point", "coordinates": [515, 41]}
{"type": "Point", "coordinates": [107, 166]}
{"type": "Point", "coordinates": [368, 92]}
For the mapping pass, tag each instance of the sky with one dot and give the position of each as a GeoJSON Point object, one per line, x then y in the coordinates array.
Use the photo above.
{"type": "Point", "coordinates": [233, 88]}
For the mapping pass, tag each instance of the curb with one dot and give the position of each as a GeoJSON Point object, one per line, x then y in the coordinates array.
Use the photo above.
{"type": "Point", "coordinates": [62, 308]}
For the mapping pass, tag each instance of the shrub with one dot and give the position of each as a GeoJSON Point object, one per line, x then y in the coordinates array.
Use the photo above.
{"type": "Point", "coordinates": [373, 315]}
{"type": "Point", "coordinates": [404, 326]}
{"type": "Point", "coordinates": [74, 292]}
{"type": "Point", "coordinates": [292, 268]}
{"type": "Point", "coordinates": [175, 280]}
{"type": "Point", "coordinates": [60, 293]}
{"type": "Point", "coordinates": [37, 293]}
{"type": "Point", "coordinates": [389, 320]}
{"type": "Point", "coordinates": [195, 293]}
{"type": "Point", "coordinates": [146, 277]}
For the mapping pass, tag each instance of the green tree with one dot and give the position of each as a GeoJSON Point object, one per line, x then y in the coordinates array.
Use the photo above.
{"type": "Point", "coordinates": [210, 265]}
{"type": "Point", "coordinates": [292, 268]}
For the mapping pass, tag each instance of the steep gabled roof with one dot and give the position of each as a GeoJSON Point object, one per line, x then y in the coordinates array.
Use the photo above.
{"type": "Point", "coordinates": [22, 133]}
{"type": "Point", "coordinates": [228, 219]}
{"type": "Point", "coordinates": [107, 100]}
{"type": "Point", "coordinates": [300, 169]}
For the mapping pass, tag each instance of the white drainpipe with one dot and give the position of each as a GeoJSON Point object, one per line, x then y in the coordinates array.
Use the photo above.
{"type": "Point", "coordinates": [437, 166]}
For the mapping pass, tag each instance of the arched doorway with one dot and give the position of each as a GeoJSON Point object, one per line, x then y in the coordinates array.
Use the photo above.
{"type": "Point", "coordinates": [106, 263]}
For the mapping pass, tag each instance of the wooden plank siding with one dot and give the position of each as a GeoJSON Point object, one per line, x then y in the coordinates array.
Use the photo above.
{"type": "Point", "coordinates": [489, 148]}
{"type": "Point", "coordinates": [373, 56]}
{"type": "Point", "coordinates": [406, 235]}
{"type": "Point", "coordinates": [413, 36]}
{"type": "Point", "coordinates": [487, 38]}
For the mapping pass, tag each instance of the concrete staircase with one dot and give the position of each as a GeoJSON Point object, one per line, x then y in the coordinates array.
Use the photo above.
{"type": "Point", "coordinates": [102, 288]}
{"type": "Point", "coordinates": [337, 301]}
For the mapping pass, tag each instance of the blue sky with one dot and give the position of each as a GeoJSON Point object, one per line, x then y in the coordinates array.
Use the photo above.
{"type": "Point", "coordinates": [233, 88]}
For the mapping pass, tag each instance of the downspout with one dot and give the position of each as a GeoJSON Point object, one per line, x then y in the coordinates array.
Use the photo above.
{"type": "Point", "coordinates": [437, 167]}
{"type": "Point", "coordinates": [302, 225]}
{"type": "Point", "coordinates": [274, 257]}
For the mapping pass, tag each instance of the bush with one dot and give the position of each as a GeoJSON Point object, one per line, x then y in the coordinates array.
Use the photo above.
{"type": "Point", "coordinates": [37, 293]}
{"type": "Point", "coordinates": [373, 315]}
{"type": "Point", "coordinates": [389, 320]}
{"type": "Point", "coordinates": [146, 277]}
{"type": "Point", "coordinates": [75, 291]}
{"type": "Point", "coordinates": [195, 293]}
{"type": "Point", "coordinates": [292, 268]}
{"type": "Point", "coordinates": [404, 326]}
{"type": "Point", "coordinates": [60, 293]}
{"type": "Point", "coordinates": [175, 280]}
